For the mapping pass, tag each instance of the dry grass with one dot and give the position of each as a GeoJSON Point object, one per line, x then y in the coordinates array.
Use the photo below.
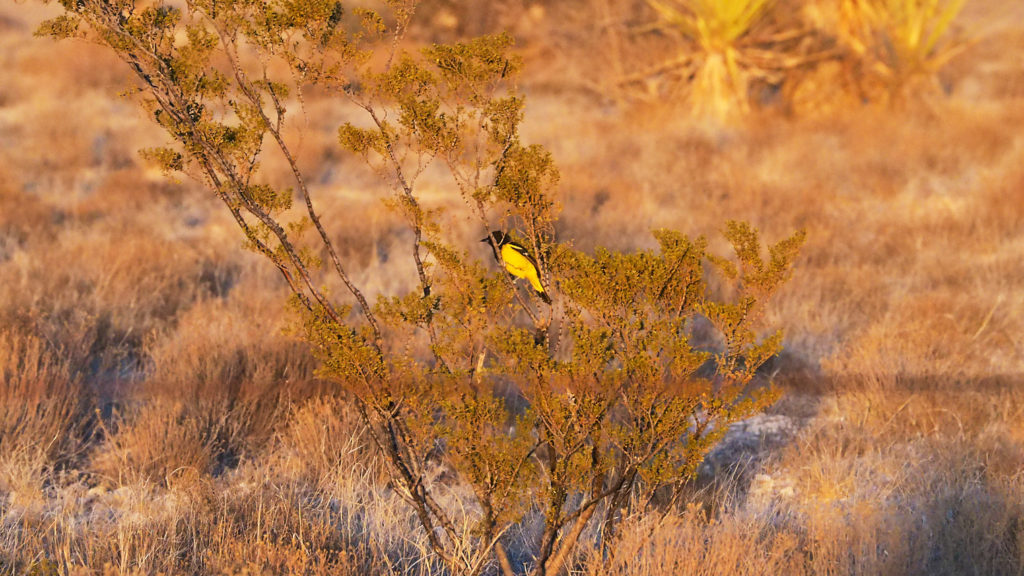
{"type": "Point", "coordinates": [155, 417]}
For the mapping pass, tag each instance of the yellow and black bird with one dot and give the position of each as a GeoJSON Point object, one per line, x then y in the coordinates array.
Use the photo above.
{"type": "Point", "coordinates": [517, 261]}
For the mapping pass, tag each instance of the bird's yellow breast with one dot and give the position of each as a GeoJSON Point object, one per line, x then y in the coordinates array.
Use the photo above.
{"type": "Point", "coordinates": [517, 264]}
{"type": "Point", "coordinates": [521, 266]}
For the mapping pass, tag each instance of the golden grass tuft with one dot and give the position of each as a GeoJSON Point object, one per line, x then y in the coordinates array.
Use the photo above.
{"type": "Point", "coordinates": [44, 417]}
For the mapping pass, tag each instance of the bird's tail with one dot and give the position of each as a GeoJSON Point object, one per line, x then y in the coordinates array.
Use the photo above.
{"type": "Point", "coordinates": [544, 296]}
{"type": "Point", "coordinates": [538, 288]}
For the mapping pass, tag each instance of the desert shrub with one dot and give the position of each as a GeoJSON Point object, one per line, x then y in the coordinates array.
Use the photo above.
{"type": "Point", "coordinates": [217, 386]}
{"type": "Point", "coordinates": [42, 402]}
{"type": "Point", "coordinates": [219, 355]}
{"type": "Point", "coordinates": [899, 45]}
{"type": "Point", "coordinates": [20, 214]}
{"type": "Point", "coordinates": [96, 295]}
{"type": "Point", "coordinates": [320, 434]}
{"type": "Point", "coordinates": [45, 415]}
{"type": "Point", "coordinates": [565, 414]}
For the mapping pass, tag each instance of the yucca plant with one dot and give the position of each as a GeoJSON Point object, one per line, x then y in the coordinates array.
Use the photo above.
{"type": "Point", "coordinates": [900, 44]}
{"type": "Point", "coordinates": [717, 29]}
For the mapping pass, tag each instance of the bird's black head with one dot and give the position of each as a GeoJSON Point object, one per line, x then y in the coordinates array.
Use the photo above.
{"type": "Point", "coordinates": [497, 238]}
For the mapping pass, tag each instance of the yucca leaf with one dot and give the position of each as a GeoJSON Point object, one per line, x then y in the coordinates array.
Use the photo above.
{"type": "Point", "coordinates": [949, 13]}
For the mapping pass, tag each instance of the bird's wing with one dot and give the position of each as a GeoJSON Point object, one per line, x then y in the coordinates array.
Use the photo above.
{"type": "Point", "coordinates": [524, 253]}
